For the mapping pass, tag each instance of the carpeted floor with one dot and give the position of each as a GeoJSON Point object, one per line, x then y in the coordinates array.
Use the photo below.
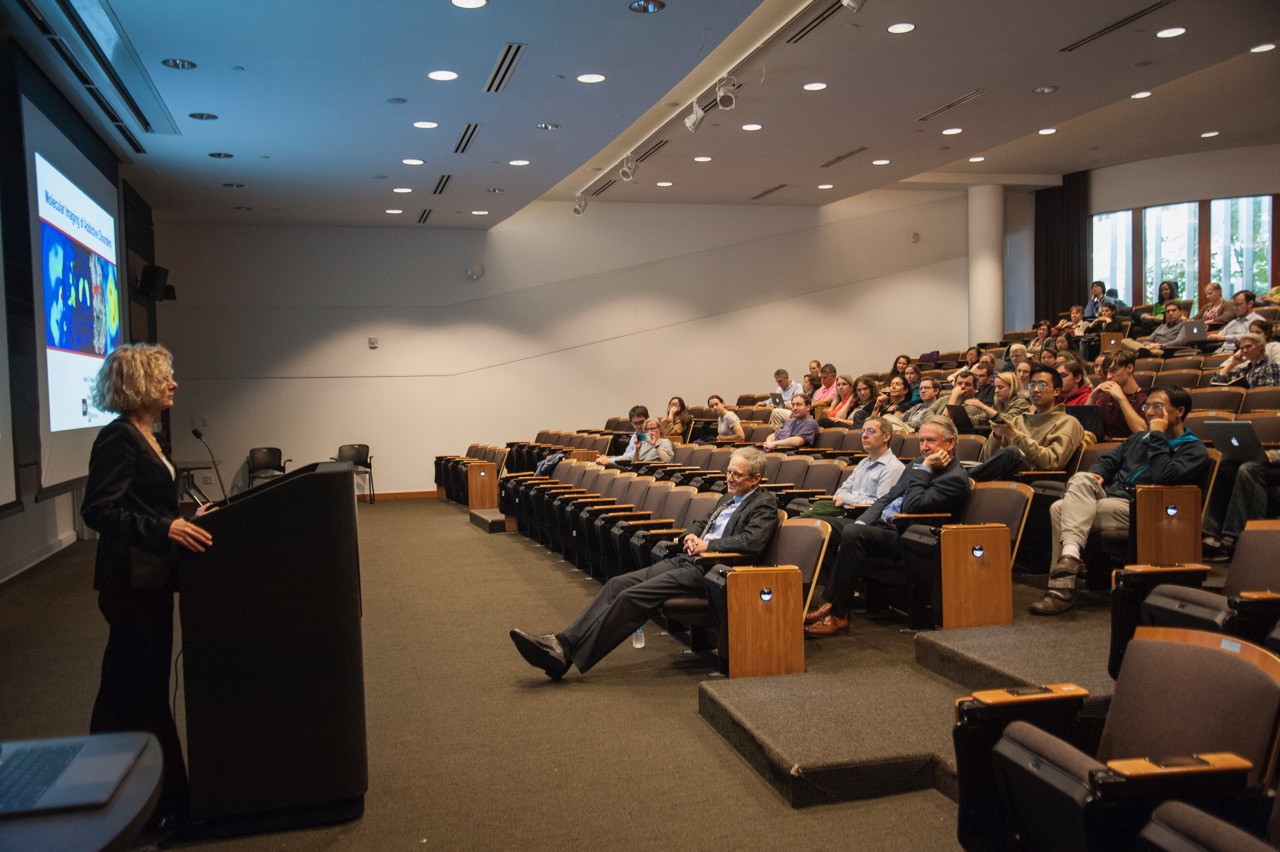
{"type": "Point", "coordinates": [470, 748]}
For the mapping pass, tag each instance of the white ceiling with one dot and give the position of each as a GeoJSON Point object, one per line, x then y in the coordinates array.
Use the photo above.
{"type": "Point", "coordinates": [301, 89]}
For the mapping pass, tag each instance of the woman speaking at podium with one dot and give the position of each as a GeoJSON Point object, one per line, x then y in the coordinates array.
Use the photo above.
{"type": "Point", "coordinates": [131, 500]}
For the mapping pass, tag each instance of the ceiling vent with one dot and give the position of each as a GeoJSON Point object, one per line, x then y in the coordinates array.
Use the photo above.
{"type": "Point", "coordinates": [604, 186]}
{"type": "Point", "coordinates": [651, 150]}
{"type": "Point", "coordinates": [504, 67]}
{"type": "Point", "coordinates": [88, 39]}
{"type": "Point", "coordinates": [1118, 25]}
{"type": "Point", "coordinates": [768, 192]}
{"type": "Point", "coordinates": [424, 216]}
{"type": "Point", "coordinates": [441, 184]}
{"type": "Point", "coordinates": [840, 159]}
{"type": "Point", "coordinates": [976, 93]}
{"type": "Point", "coordinates": [464, 141]}
{"type": "Point", "coordinates": [815, 22]}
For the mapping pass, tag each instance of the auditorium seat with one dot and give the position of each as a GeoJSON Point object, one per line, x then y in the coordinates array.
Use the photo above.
{"type": "Point", "coordinates": [1225, 399]}
{"type": "Point", "coordinates": [1182, 378]}
{"type": "Point", "coordinates": [1179, 827]}
{"type": "Point", "coordinates": [598, 555]}
{"type": "Point", "coordinates": [1256, 399]}
{"type": "Point", "coordinates": [1182, 362]}
{"type": "Point", "coordinates": [650, 547]}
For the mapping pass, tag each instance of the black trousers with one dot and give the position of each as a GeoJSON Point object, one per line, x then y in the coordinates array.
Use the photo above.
{"type": "Point", "coordinates": [859, 545]}
{"type": "Point", "coordinates": [134, 691]}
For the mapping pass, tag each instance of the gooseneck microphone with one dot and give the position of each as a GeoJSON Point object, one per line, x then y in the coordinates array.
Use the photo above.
{"type": "Point", "coordinates": [200, 436]}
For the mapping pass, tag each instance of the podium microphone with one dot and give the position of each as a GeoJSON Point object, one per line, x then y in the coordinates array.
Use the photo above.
{"type": "Point", "coordinates": [200, 436]}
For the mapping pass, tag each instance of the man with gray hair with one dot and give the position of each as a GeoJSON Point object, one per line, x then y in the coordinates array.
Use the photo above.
{"type": "Point", "coordinates": [786, 390]}
{"type": "Point", "coordinates": [743, 521]}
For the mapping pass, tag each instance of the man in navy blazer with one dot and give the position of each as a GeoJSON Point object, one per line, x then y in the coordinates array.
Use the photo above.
{"type": "Point", "coordinates": [935, 482]}
{"type": "Point", "coordinates": [743, 521]}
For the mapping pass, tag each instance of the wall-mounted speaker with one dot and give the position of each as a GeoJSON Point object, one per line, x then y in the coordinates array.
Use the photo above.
{"type": "Point", "coordinates": [154, 283]}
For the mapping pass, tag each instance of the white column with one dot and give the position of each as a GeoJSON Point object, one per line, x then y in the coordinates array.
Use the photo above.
{"type": "Point", "coordinates": [986, 263]}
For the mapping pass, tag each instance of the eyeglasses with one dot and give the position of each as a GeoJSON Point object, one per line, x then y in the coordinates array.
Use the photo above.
{"type": "Point", "coordinates": [1038, 386]}
{"type": "Point", "coordinates": [1153, 406]}
{"type": "Point", "coordinates": [733, 474]}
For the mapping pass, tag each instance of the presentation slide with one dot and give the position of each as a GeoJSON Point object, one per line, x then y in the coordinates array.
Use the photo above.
{"type": "Point", "coordinates": [81, 295]}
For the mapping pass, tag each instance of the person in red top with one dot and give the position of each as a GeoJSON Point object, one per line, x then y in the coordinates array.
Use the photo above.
{"type": "Point", "coordinates": [1119, 399]}
{"type": "Point", "coordinates": [1075, 388]}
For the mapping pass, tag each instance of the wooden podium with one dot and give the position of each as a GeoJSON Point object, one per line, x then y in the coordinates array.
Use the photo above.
{"type": "Point", "coordinates": [272, 654]}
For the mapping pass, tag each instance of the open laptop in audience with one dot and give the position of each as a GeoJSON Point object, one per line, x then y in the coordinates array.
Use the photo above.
{"type": "Point", "coordinates": [1237, 440]}
{"type": "Point", "coordinates": [64, 774]}
{"type": "Point", "coordinates": [960, 417]}
{"type": "Point", "coordinates": [776, 400]}
{"type": "Point", "coordinates": [1090, 418]}
{"type": "Point", "coordinates": [1197, 332]}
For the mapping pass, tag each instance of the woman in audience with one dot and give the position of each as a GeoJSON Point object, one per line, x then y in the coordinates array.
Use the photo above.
{"type": "Point", "coordinates": [1023, 373]}
{"type": "Point", "coordinates": [912, 375]}
{"type": "Point", "coordinates": [131, 500]}
{"type": "Point", "coordinates": [676, 423]}
{"type": "Point", "coordinates": [1063, 343]}
{"type": "Point", "coordinates": [841, 411]}
{"type": "Point", "coordinates": [865, 391]}
{"type": "Point", "coordinates": [811, 383]}
{"type": "Point", "coordinates": [1042, 339]}
{"type": "Point", "coordinates": [894, 399]}
{"type": "Point", "coordinates": [1214, 308]}
{"type": "Point", "coordinates": [815, 370]}
{"type": "Point", "coordinates": [971, 356]}
{"type": "Point", "coordinates": [1009, 402]}
{"type": "Point", "coordinates": [900, 365]}
{"type": "Point", "coordinates": [1073, 325]}
{"type": "Point", "coordinates": [1049, 356]}
{"type": "Point", "coordinates": [729, 425]}
{"type": "Point", "coordinates": [1262, 328]}
{"type": "Point", "coordinates": [1167, 290]}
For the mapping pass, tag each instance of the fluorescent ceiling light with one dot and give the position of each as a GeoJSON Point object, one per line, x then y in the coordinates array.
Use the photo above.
{"type": "Point", "coordinates": [518, 163]}
{"type": "Point", "coordinates": [443, 76]}
{"type": "Point", "coordinates": [1048, 131]}
{"type": "Point", "coordinates": [826, 186]}
{"type": "Point", "coordinates": [952, 131]}
{"type": "Point", "coordinates": [879, 162]}
{"type": "Point", "coordinates": [412, 162]}
{"type": "Point", "coordinates": [976, 159]}
{"type": "Point", "coordinates": [702, 159]}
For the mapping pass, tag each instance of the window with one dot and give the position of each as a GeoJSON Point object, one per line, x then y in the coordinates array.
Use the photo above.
{"type": "Point", "coordinates": [1113, 250]}
{"type": "Point", "coordinates": [1240, 244]}
{"type": "Point", "coordinates": [1170, 249]}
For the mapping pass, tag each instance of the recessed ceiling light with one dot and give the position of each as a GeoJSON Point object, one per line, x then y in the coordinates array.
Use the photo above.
{"type": "Point", "coordinates": [1262, 48]}
{"type": "Point", "coordinates": [203, 116]}
{"type": "Point", "coordinates": [1044, 90]}
{"type": "Point", "coordinates": [178, 64]}
{"type": "Point", "coordinates": [646, 6]}
{"type": "Point", "coordinates": [1172, 32]}
{"type": "Point", "coordinates": [1137, 96]}
{"type": "Point", "coordinates": [814, 87]}
{"type": "Point", "coordinates": [547, 125]}
{"type": "Point", "coordinates": [221, 155]}
{"type": "Point", "coordinates": [591, 78]}
{"type": "Point", "coordinates": [426, 125]}
{"type": "Point", "coordinates": [952, 131]}
{"type": "Point", "coordinates": [899, 29]}
{"type": "Point", "coordinates": [479, 212]}
{"type": "Point", "coordinates": [1048, 131]}
{"type": "Point", "coordinates": [879, 162]}
{"type": "Point", "coordinates": [443, 76]}
{"type": "Point", "coordinates": [412, 162]}
{"type": "Point", "coordinates": [518, 163]}
{"type": "Point", "coordinates": [393, 211]}
{"type": "Point", "coordinates": [976, 159]}
{"type": "Point", "coordinates": [826, 186]}
{"type": "Point", "coordinates": [402, 189]}
{"type": "Point", "coordinates": [702, 159]}
{"type": "Point", "coordinates": [664, 183]}
{"type": "Point", "coordinates": [752, 127]}
{"type": "Point", "coordinates": [1209, 135]}
{"type": "Point", "coordinates": [470, 4]}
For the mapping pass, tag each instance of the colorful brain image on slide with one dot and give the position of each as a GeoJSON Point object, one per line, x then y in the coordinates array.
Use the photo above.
{"type": "Point", "coordinates": [81, 296]}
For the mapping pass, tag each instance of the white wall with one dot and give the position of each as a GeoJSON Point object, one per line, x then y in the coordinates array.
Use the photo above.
{"type": "Point", "coordinates": [1229, 173]}
{"type": "Point", "coordinates": [40, 530]}
{"type": "Point", "coordinates": [575, 319]}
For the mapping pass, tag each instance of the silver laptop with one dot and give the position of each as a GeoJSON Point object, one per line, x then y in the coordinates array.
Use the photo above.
{"type": "Point", "coordinates": [1235, 439]}
{"type": "Point", "coordinates": [1197, 332]}
{"type": "Point", "coordinates": [68, 773]}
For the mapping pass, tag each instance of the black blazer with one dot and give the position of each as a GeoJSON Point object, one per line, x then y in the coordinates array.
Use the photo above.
{"type": "Point", "coordinates": [750, 528]}
{"type": "Point", "coordinates": [130, 499]}
{"type": "Point", "coordinates": [925, 492]}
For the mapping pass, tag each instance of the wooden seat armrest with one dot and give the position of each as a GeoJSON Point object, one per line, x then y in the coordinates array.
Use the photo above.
{"type": "Point", "coordinates": [808, 451]}
{"type": "Point", "coordinates": [1181, 765]}
{"type": "Point", "coordinates": [649, 524]}
{"type": "Point", "coordinates": [718, 556]}
{"type": "Point", "coordinates": [1040, 474]}
{"type": "Point", "coordinates": [670, 533]}
{"type": "Point", "coordinates": [807, 492]}
{"type": "Point", "coordinates": [1260, 597]}
{"type": "Point", "coordinates": [596, 501]}
{"type": "Point", "coordinates": [1189, 574]}
{"type": "Point", "coordinates": [903, 520]}
{"type": "Point", "coordinates": [777, 486]}
{"type": "Point", "coordinates": [1028, 694]}
{"type": "Point", "coordinates": [528, 475]}
{"type": "Point", "coordinates": [622, 513]}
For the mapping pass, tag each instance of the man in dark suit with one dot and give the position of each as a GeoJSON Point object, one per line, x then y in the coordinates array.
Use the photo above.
{"type": "Point", "coordinates": [935, 482]}
{"type": "Point", "coordinates": [743, 521]}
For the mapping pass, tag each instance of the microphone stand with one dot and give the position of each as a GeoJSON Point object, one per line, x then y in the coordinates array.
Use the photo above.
{"type": "Point", "coordinates": [200, 436]}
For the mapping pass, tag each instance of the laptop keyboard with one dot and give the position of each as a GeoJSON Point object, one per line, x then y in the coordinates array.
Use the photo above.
{"type": "Point", "coordinates": [26, 774]}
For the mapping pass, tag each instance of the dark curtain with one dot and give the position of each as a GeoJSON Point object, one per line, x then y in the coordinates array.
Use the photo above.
{"type": "Point", "coordinates": [1063, 246]}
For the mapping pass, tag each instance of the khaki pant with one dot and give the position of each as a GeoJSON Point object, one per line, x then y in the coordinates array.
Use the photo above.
{"type": "Point", "coordinates": [1083, 508]}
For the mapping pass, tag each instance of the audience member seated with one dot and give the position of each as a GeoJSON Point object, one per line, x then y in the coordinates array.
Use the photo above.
{"type": "Point", "coordinates": [639, 416]}
{"type": "Point", "coordinates": [894, 400]}
{"type": "Point", "coordinates": [1042, 340]}
{"type": "Point", "coordinates": [1249, 366]}
{"type": "Point", "coordinates": [786, 389]}
{"type": "Point", "coordinates": [1042, 440]}
{"type": "Point", "coordinates": [800, 430]}
{"type": "Point", "coordinates": [826, 393]}
{"type": "Point", "coordinates": [899, 368]}
{"type": "Point", "coordinates": [1098, 499]}
{"type": "Point", "coordinates": [935, 482]}
{"type": "Point", "coordinates": [654, 446]}
{"type": "Point", "coordinates": [971, 356]}
{"type": "Point", "coordinates": [1075, 387]}
{"type": "Point", "coordinates": [676, 423]}
{"type": "Point", "coordinates": [1214, 308]}
{"type": "Point", "coordinates": [1097, 298]}
{"type": "Point", "coordinates": [1113, 296]}
{"type": "Point", "coordinates": [1023, 373]}
{"type": "Point", "coordinates": [1167, 292]}
{"type": "Point", "coordinates": [1262, 328]}
{"type": "Point", "coordinates": [1073, 325]}
{"type": "Point", "coordinates": [743, 521]}
{"type": "Point", "coordinates": [1170, 334]}
{"type": "Point", "coordinates": [984, 390]}
{"type": "Point", "coordinates": [811, 384]}
{"type": "Point", "coordinates": [841, 411]}
{"type": "Point", "coordinates": [1048, 356]}
{"type": "Point", "coordinates": [1119, 399]}
{"type": "Point", "coordinates": [1242, 304]}
{"type": "Point", "coordinates": [932, 401]}
{"type": "Point", "coordinates": [912, 375]}
{"type": "Point", "coordinates": [728, 424]}
{"type": "Point", "coordinates": [1106, 324]}
{"type": "Point", "coordinates": [1062, 343]}
{"type": "Point", "coordinates": [1249, 492]}
{"type": "Point", "coordinates": [963, 390]}
{"type": "Point", "coordinates": [815, 370]}
{"type": "Point", "coordinates": [1014, 355]}
{"type": "Point", "coordinates": [1010, 401]}
{"type": "Point", "coordinates": [871, 479]}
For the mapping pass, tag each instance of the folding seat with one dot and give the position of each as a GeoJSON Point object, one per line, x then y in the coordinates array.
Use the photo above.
{"type": "Point", "coordinates": [1192, 718]}
{"type": "Point", "coordinates": [604, 487]}
{"type": "Point", "coordinates": [969, 447]}
{"type": "Point", "coordinates": [1213, 362]}
{"type": "Point", "coordinates": [712, 470]}
{"type": "Point", "coordinates": [1224, 399]}
{"type": "Point", "coordinates": [828, 439]}
{"type": "Point", "coordinates": [626, 493]}
{"type": "Point", "coordinates": [696, 459]}
{"type": "Point", "coordinates": [1179, 827]}
{"type": "Point", "coordinates": [1146, 379]}
{"type": "Point", "coordinates": [1258, 399]}
{"type": "Point", "coordinates": [772, 461]}
{"type": "Point", "coordinates": [600, 556]}
{"type": "Point", "coordinates": [681, 458]}
{"type": "Point", "coordinates": [791, 474]}
{"type": "Point", "coordinates": [538, 493]}
{"type": "Point", "coordinates": [617, 558]}
{"type": "Point", "coordinates": [757, 433]}
{"type": "Point", "coordinates": [512, 487]}
{"type": "Point", "coordinates": [1181, 362]}
{"type": "Point", "coordinates": [821, 480]}
{"type": "Point", "coordinates": [1182, 378]}
{"type": "Point", "coordinates": [1151, 365]}
{"type": "Point", "coordinates": [1195, 418]}
{"type": "Point", "coordinates": [648, 547]}
{"type": "Point", "coordinates": [773, 641]}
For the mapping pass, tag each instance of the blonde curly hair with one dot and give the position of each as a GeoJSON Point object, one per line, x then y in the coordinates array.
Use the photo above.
{"type": "Point", "coordinates": [132, 377]}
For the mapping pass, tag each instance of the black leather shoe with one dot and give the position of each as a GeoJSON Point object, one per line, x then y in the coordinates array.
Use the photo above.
{"type": "Point", "coordinates": [542, 652]}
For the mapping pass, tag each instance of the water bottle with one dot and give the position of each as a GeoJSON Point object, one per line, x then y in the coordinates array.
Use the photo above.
{"type": "Point", "coordinates": [637, 638]}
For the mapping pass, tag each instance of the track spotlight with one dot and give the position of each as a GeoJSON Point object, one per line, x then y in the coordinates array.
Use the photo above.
{"type": "Point", "coordinates": [726, 93]}
{"type": "Point", "coordinates": [855, 5]}
{"type": "Point", "coordinates": [579, 205]}
{"type": "Point", "coordinates": [628, 169]}
{"type": "Point", "coordinates": [694, 121]}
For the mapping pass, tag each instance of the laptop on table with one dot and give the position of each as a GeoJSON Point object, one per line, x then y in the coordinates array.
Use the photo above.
{"type": "Point", "coordinates": [65, 774]}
